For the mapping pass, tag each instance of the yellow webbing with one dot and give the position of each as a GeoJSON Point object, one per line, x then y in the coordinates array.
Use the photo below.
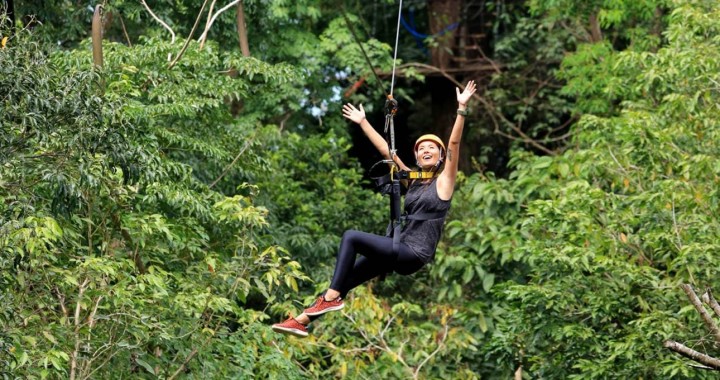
{"type": "Point", "coordinates": [422, 175]}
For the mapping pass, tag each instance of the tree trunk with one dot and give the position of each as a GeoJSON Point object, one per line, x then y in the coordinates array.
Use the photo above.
{"type": "Point", "coordinates": [97, 35]}
{"type": "Point", "coordinates": [595, 32]}
{"type": "Point", "coordinates": [443, 13]}
{"type": "Point", "coordinates": [242, 30]}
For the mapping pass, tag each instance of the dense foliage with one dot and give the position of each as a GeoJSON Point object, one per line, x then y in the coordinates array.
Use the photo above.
{"type": "Point", "coordinates": [155, 218]}
{"type": "Point", "coordinates": [133, 231]}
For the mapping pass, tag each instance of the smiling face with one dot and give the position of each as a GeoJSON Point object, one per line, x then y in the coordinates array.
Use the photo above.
{"type": "Point", "coordinates": [428, 154]}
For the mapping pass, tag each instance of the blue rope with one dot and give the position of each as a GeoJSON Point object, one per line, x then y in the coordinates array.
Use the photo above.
{"type": "Point", "coordinates": [420, 37]}
{"type": "Point", "coordinates": [411, 28]}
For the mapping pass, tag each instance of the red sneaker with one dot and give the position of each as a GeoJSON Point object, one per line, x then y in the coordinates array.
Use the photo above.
{"type": "Point", "coordinates": [291, 326]}
{"type": "Point", "coordinates": [322, 306]}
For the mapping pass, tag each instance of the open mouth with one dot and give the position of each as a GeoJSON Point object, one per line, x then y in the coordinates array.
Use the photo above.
{"type": "Point", "coordinates": [427, 157]}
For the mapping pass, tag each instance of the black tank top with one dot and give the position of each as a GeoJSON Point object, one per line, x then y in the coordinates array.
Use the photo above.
{"type": "Point", "coordinates": [422, 236]}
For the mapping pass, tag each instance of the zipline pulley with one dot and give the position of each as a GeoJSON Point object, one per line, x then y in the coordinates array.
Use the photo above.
{"type": "Point", "coordinates": [391, 108]}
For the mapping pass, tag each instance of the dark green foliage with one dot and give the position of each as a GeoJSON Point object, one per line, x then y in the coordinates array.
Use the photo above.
{"type": "Point", "coordinates": [612, 227]}
{"type": "Point", "coordinates": [119, 257]}
{"type": "Point", "coordinates": [154, 220]}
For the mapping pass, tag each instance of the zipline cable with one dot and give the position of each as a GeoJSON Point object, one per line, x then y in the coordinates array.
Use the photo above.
{"type": "Point", "coordinates": [397, 38]}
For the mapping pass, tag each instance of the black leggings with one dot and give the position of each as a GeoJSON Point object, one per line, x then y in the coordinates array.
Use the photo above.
{"type": "Point", "coordinates": [377, 259]}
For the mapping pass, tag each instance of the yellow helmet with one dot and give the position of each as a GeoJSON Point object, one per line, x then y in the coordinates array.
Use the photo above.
{"type": "Point", "coordinates": [429, 137]}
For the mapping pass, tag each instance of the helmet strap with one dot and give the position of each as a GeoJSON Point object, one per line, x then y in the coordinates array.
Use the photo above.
{"type": "Point", "coordinates": [437, 164]}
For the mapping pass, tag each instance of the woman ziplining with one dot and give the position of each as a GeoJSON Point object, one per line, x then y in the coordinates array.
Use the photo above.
{"type": "Point", "coordinates": [426, 204]}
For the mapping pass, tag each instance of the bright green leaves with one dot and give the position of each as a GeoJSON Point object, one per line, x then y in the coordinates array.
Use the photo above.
{"type": "Point", "coordinates": [118, 257]}
{"type": "Point", "coordinates": [403, 340]}
{"type": "Point", "coordinates": [610, 14]}
{"type": "Point", "coordinates": [36, 235]}
{"type": "Point", "coordinates": [239, 211]}
{"type": "Point", "coordinates": [586, 72]}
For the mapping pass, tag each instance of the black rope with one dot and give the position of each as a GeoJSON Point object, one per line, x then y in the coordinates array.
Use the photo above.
{"type": "Point", "coordinates": [357, 39]}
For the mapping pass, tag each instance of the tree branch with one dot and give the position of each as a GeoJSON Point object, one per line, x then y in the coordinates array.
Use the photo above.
{"type": "Point", "coordinates": [518, 373]}
{"type": "Point", "coordinates": [128, 239]}
{"type": "Point", "coordinates": [182, 366]}
{"type": "Point", "coordinates": [78, 306]}
{"type": "Point", "coordinates": [692, 354]}
{"type": "Point", "coordinates": [91, 317]}
{"type": "Point", "coordinates": [61, 298]}
{"type": "Point", "coordinates": [166, 26]}
{"type": "Point", "coordinates": [675, 226]}
{"type": "Point", "coordinates": [187, 41]}
{"type": "Point", "coordinates": [444, 72]}
{"type": "Point", "coordinates": [227, 168]}
{"type": "Point", "coordinates": [127, 37]}
{"type": "Point", "coordinates": [491, 111]}
{"type": "Point", "coordinates": [215, 16]}
{"type": "Point", "coordinates": [207, 22]}
{"type": "Point", "coordinates": [437, 349]}
{"type": "Point", "coordinates": [709, 299]}
{"type": "Point", "coordinates": [709, 322]}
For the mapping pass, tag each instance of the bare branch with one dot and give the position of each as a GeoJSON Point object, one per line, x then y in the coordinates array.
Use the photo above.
{"type": "Point", "coordinates": [98, 352]}
{"type": "Point", "coordinates": [61, 298]}
{"type": "Point", "coordinates": [709, 299]}
{"type": "Point", "coordinates": [127, 37]}
{"type": "Point", "coordinates": [692, 354]}
{"type": "Point", "coordinates": [91, 318]}
{"type": "Point", "coordinates": [440, 345]}
{"type": "Point", "coordinates": [215, 16]}
{"type": "Point", "coordinates": [166, 26]}
{"type": "Point", "coordinates": [182, 366]}
{"type": "Point", "coordinates": [702, 367]}
{"type": "Point", "coordinates": [187, 41]}
{"type": "Point", "coordinates": [622, 168]}
{"type": "Point", "coordinates": [709, 322]}
{"type": "Point", "coordinates": [227, 168]}
{"type": "Point", "coordinates": [207, 23]}
{"type": "Point", "coordinates": [387, 326]}
{"type": "Point", "coordinates": [383, 346]}
{"type": "Point", "coordinates": [78, 306]}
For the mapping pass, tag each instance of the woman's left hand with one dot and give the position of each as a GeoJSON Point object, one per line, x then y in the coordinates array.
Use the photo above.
{"type": "Point", "coordinates": [464, 97]}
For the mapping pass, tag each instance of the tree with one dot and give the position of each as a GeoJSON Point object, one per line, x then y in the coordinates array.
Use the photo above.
{"type": "Point", "coordinates": [618, 219]}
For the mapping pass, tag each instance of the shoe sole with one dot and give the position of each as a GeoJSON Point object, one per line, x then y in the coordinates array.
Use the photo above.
{"type": "Point", "coordinates": [289, 331]}
{"type": "Point", "coordinates": [329, 309]}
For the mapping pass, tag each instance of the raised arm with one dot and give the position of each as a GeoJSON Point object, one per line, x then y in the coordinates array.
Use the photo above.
{"type": "Point", "coordinates": [358, 117]}
{"type": "Point", "coordinates": [446, 180]}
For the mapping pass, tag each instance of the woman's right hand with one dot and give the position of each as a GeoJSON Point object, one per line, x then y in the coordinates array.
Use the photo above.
{"type": "Point", "coordinates": [354, 114]}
